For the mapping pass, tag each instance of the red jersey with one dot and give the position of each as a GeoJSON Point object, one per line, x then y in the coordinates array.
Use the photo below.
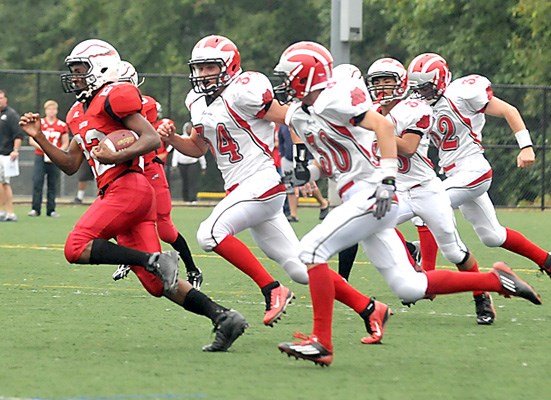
{"type": "Point", "coordinates": [149, 111]}
{"type": "Point", "coordinates": [54, 132]}
{"type": "Point", "coordinates": [103, 116]}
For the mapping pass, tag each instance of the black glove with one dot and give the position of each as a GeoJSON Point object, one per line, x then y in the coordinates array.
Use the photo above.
{"type": "Point", "coordinates": [301, 172]}
{"type": "Point", "coordinates": [384, 194]}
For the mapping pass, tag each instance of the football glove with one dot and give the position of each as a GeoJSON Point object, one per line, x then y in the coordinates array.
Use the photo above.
{"type": "Point", "coordinates": [384, 194]}
{"type": "Point", "coordinates": [301, 172]}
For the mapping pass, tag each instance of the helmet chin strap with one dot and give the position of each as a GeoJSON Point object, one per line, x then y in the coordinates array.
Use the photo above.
{"type": "Point", "coordinates": [84, 95]}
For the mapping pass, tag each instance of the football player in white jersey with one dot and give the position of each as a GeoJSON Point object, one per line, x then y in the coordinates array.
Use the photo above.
{"type": "Point", "coordinates": [420, 191]}
{"type": "Point", "coordinates": [332, 117]}
{"type": "Point", "coordinates": [235, 122]}
{"type": "Point", "coordinates": [459, 110]}
{"type": "Point", "coordinates": [233, 113]}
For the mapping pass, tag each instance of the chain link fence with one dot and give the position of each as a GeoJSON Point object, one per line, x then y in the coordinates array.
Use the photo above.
{"type": "Point", "coordinates": [512, 187]}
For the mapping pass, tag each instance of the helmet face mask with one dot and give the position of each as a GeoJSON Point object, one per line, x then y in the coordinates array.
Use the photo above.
{"type": "Point", "coordinates": [426, 91]}
{"type": "Point", "coordinates": [215, 62]}
{"type": "Point", "coordinates": [283, 92]}
{"type": "Point", "coordinates": [79, 78]}
{"type": "Point", "coordinates": [210, 82]}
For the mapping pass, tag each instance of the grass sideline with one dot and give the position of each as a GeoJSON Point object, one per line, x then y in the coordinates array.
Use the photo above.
{"type": "Point", "coordinates": [70, 332]}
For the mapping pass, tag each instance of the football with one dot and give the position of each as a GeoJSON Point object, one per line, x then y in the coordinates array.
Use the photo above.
{"type": "Point", "coordinates": [120, 140]}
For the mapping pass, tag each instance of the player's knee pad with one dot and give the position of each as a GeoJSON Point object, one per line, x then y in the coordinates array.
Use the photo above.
{"type": "Point", "coordinates": [167, 231]}
{"type": "Point", "coordinates": [296, 270]}
{"type": "Point", "coordinates": [454, 253]}
{"type": "Point", "coordinates": [74, 246]}
{"type": "Point", "coordinates": [152, 283]}
{"type": "Point", "coordinates": [206, 237]}
{"type": "Point", "coordinates": [490, 237]}
{"type": "Point", "coordinates": [411, 288]}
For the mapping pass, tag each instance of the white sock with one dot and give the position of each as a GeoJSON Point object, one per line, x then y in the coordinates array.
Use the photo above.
{"type": "Point", "coordinates": [80, 195]}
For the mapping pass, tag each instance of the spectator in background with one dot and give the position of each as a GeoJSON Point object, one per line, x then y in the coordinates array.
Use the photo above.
{"type": "Point", "coordinates": [10, 142]}
{"type": "Point", "coordinates": [57, 133]}
{"type": "Point", "coordinates": [189, 169]}
{"type": "Point", "coordinates": [286, 151]}
{"type": "Point", "coordinates": [85, 175]}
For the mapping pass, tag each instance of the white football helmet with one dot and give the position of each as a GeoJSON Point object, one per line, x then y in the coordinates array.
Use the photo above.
{"type": "Point", "coordinates": [429, 76]}
{"type": "Point", "coordinates": [219, 50]}
{"type": "Point", "coordinates": [346, 71]}
{"type": "Point", "coordinates": [383, 68]}
{"type": "Point", "coordinates": [127, 73]}
{"type": "Point", "coordinates": [102, 62]}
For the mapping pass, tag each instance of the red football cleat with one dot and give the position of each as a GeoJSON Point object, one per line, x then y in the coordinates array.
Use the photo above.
{"type": "Point", "coordinates": [375, 316]}
{"type": "Point", "coordinates": [276, 303]}
{"type": "Point", "coordinates": [309, 349]}
{"type": "Point", "coordinates": [512, 285]}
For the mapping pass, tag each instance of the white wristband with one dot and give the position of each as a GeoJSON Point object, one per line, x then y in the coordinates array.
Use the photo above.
{"type": "Point", "coordinates": [523, 138]}
{"type": "Point", "coordinates": [315, 172]}
{"type": "Point", "coordinates": [389, 167]}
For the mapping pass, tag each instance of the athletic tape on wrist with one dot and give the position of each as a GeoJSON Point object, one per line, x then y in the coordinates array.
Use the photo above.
{"type": "Point", "coordinates": [389, 167]}
{"type": "Point", "coordinates": [523, 138]}
{"type": "Point", "coordinates": [315, 172]}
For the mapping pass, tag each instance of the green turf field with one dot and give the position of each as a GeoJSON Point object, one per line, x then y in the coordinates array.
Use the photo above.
{"type": "Point", "coordinates": [70, 332]}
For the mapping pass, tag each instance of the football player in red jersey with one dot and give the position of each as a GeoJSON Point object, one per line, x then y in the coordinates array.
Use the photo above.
{"type": "Point", "coordinates": [105, 106]}
{"type": "Point", "coordinates": [155, 174]}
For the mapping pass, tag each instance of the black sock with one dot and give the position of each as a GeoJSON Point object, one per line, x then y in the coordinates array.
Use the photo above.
{"type": "Point", "coordinates": [411, 248]}
{"type": "Point", "coordinates": [180, 245]}
{"type": "Point", "coordinates": [346, 261]}
{"type": "Point", "coordinates": [105, 252]}
{"type": "Point", "coordinates": [199, 303]}
{"type": "Point", "coordinates": [268, 288]}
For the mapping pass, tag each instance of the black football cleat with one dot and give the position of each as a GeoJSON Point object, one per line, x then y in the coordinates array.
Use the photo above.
{"type": "Point", "coordinates": [485, 311]}
{"type": "Point", "coordinates": [228, 327]}
{"type": "Point", "coordinates": [512, 285]}
{"type": "Point", "coordinates": [121, 272]}
{"type": "Point", "coordinates": [165, 266]}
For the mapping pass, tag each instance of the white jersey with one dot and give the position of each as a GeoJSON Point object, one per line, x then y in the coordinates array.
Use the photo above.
{"type": "Point", "coordinates": [240, 140]}
{"type": "Point", "coordinates": [459, 119]}
{"type": "Point", "coordinates": [345, 152]}
{"type": "Point", "coordinates": [412, 116]}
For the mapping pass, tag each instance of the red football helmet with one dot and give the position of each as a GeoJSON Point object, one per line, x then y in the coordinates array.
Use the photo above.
{"type": "Point", "coordinates": [303, 67]}
{"type": "Point", "coordinates": [218, 50]}
{"type": "Point", "coordinates": [384, 68]}
{"type": "Point", "coordinates": [429, 76]}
